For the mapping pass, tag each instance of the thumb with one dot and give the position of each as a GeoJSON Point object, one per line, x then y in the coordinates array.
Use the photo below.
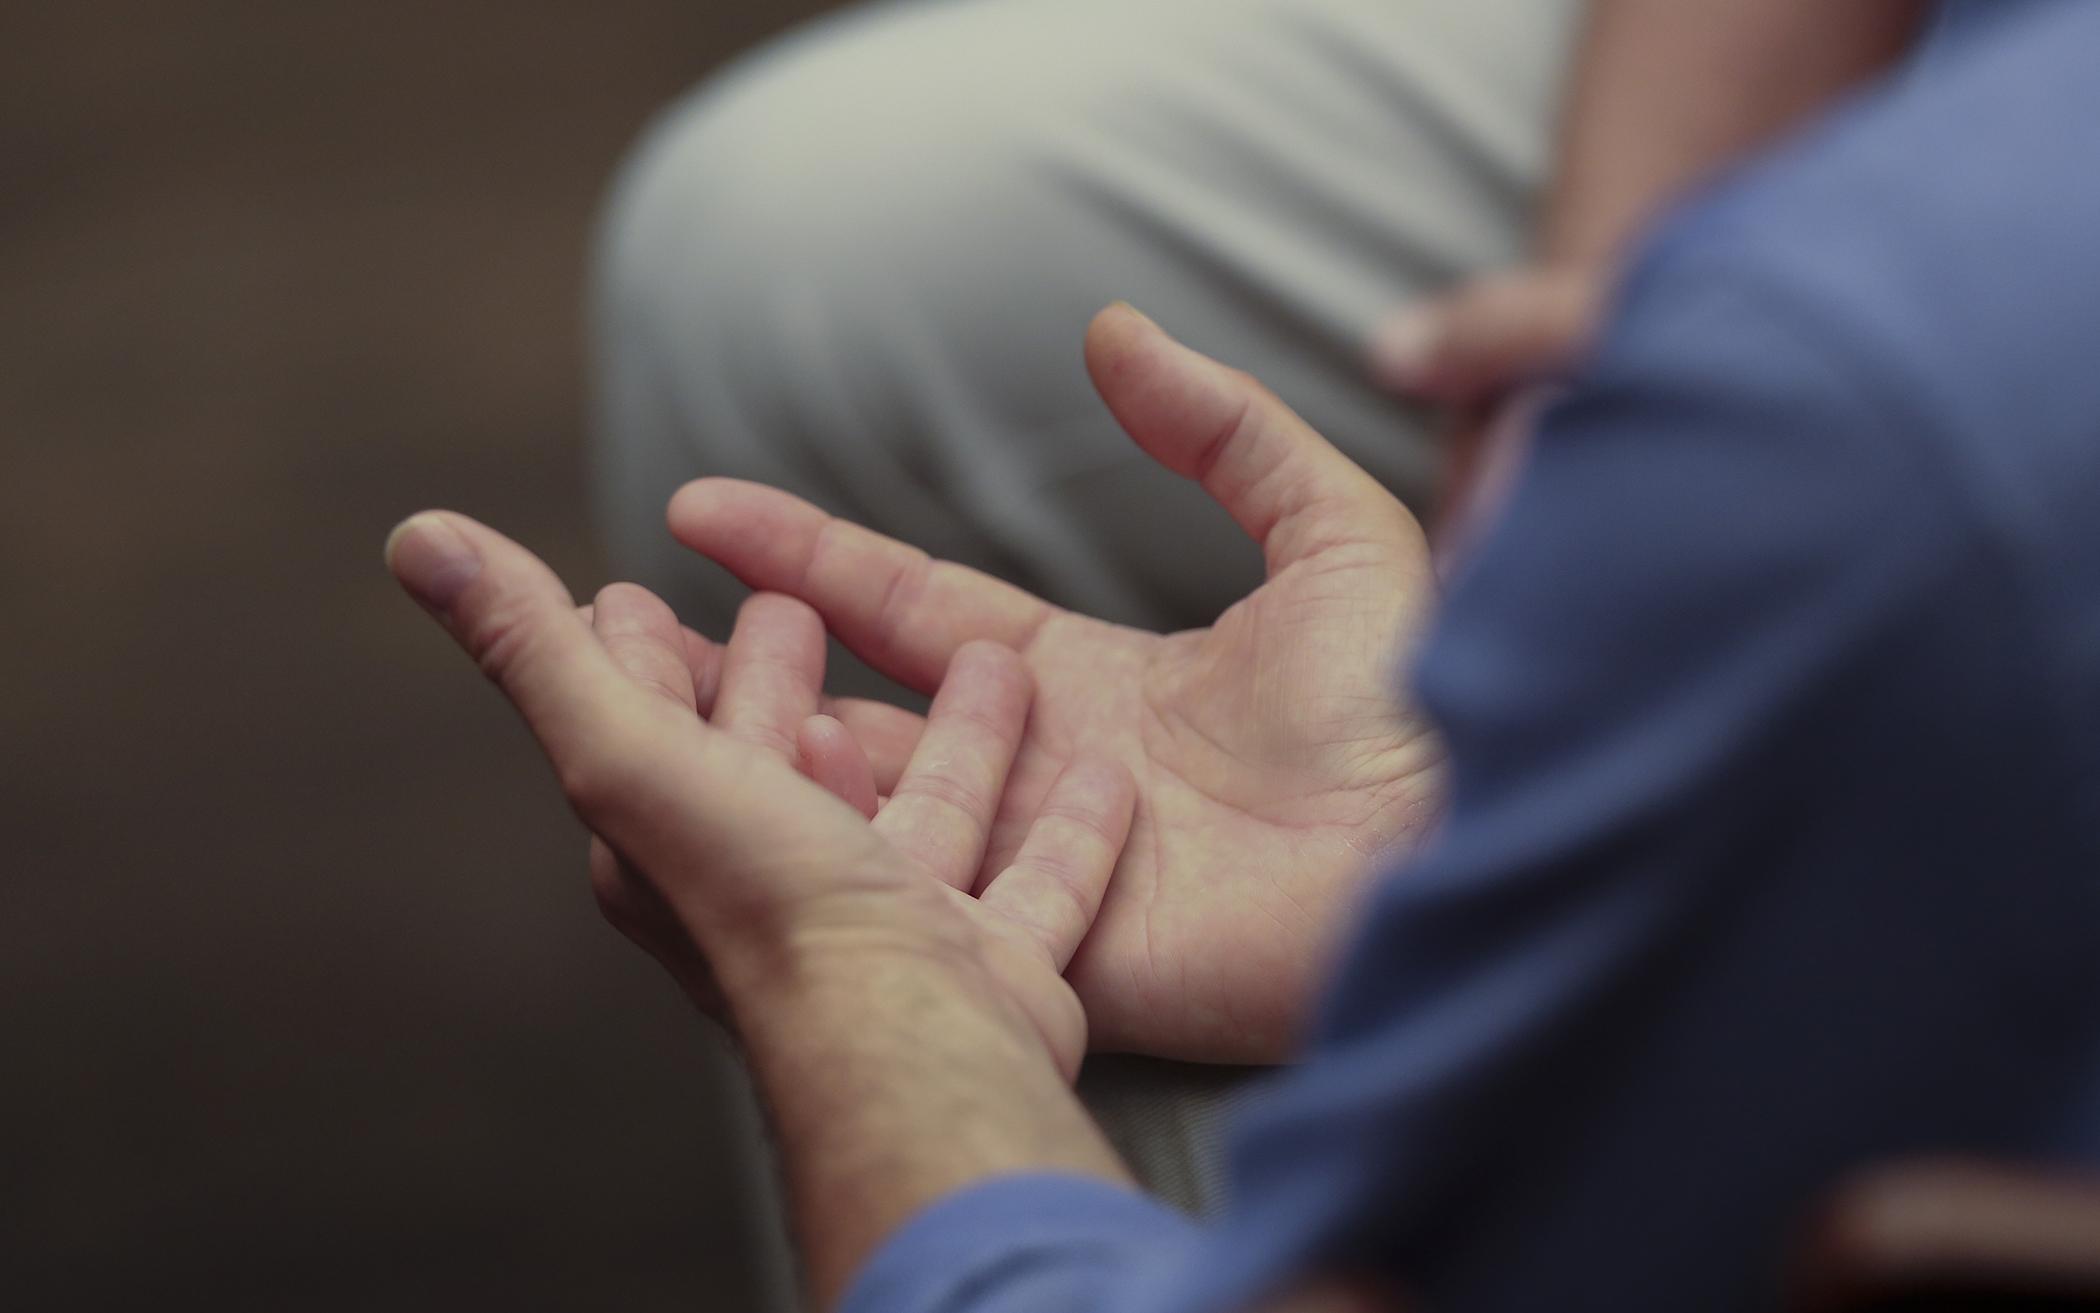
{"type": "Point", "coordinates": [619, 759]}
{"type": "Point", "coordinates": [1287, 486]}
{"type": "Point", "coordinates": [701, 813]}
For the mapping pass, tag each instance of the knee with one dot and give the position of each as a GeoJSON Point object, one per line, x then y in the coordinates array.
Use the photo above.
{"type": "Point", "coordinates": [831, 178]}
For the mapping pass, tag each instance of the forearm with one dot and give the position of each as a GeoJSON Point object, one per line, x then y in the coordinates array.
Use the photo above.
{"type": "Point", "coordinates": [894, 1079]}
{"type": "Point", "coordinates": [1665, 92]}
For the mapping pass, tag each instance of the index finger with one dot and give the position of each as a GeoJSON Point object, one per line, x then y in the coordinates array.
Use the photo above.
{"type": "Point", "coordinates": [898, 609]}
{"type": "Point", "coordinates": [772, 673]}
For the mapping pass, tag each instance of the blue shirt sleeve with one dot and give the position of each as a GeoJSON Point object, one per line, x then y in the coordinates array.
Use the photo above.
{"type": "Point", "coordinates": [1744, 881]}
{"type": "Point", "coordinates": [1035, 1243]}
{"type": "Point", "coordinates": [1747, 881]}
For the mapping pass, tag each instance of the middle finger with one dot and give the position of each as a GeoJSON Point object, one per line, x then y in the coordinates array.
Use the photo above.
{"type": "Point", "coordinates": [772, 673]}
{"type": "Point", "coordinates": [941, 810]}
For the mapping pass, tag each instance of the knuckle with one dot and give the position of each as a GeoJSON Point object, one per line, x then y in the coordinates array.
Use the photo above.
{"type": "Point", "coordinates": [1054, 901]}
{"type": "Point", "coordinates": [1232, 431]}
{"type": "Point", "coordinates": [504, 638]}
{"type": "Point", "coordinates": [900, 595]}
{"type": "Point", "coordinates": [595, 783]}
{"type": "Point", "coordinates": [980, 652]}
{"type": "Point", "coordinates": [832, 540]}
{"type": "Point", "coordinates": [978, 719]}
{"type": "Point", "coordinates": [1093, 828]}
{"type": "Point", "coordinates": [944, 790]}
{"type": "Point", "coordinates": [1062, 874]}
{"type": "Point", "coordinates": [785, 609]}
{"type": "Point", "coordinates": [990, 662]}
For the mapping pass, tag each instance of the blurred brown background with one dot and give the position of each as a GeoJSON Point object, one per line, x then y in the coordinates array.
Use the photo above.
{"type": "Point", "coordinates": [302, 998]}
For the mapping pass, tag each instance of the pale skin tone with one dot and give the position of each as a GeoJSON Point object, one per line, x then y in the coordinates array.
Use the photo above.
{"type": "Point", "coordinates": [1272, 762]}
{"type": "Point", "coordinates": [1665, 93]}
{"type": "Point", "coordinates": [881, 1009]}
{"type": "Point", "coordinates": [905, 1016]}
{"type": "Point", "coordinates": [917, 926]}
{"type": "Point", "coordinates": [1273, 766]}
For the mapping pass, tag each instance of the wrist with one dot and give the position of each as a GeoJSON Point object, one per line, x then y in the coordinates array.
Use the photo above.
{"type": "Point", "coordinates": [894, 1071]}
{"type": "Point", "coordinates": [791, 956]}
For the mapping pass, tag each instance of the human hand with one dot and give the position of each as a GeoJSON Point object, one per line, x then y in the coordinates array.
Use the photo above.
{"type": "Point", "coordinates": [1483, 351]}
{"type": "Point", "coordinates": [736, 870]}
{"type": "Point", "coordinates": [1272, 762]}
{"type": "Point", "coordinates": [1491, 336]}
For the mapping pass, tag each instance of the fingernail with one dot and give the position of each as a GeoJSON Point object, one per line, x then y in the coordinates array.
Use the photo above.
{"type": "Point", "coordinates": [433, 560]}
{"type": "Point", "coordinates": [1403, 346]}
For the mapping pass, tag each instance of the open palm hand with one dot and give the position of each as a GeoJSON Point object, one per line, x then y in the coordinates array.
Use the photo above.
{"type": "Point", "coordinates": [745, 879]}
{"type": "Point", "coordinates": [1272, 762]}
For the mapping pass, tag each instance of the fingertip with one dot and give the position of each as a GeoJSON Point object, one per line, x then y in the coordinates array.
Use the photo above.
{"type": "Point", "coordinates": [629, 608]}
{"type": "Point", "coordinates": [1118, 332]}
{"type": "Point", "coordinates": [691, 503]}
{"type": "Point", "coordinates": [1171, 399]}
{"type": "Point", "coordinates": [1404, 348]}
{"type": "Point", "coordinates": [827, 752]}
{"type": "Point", "coordinates": [780, 612]}
{"type": "Point", "coordinates": [813, 738]}
{"type": "Point", "coordinates": [625, 598]}
{"type": "Point", "coordinates": [699, 514]}
{"type": "Point", "coordinates": [1120, 320]}
{"type": "Point", "coordinates": [430, 556]}
{"type": "Point", "coordinates": [704, 507]}
{"type": "Point", "coordinates": [811, 733]}
{"type": "Point", "coordinates": [399, 532]}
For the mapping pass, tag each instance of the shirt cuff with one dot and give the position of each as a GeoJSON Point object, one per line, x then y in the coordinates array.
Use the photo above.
{"type": "Point", "coordinates": [1034, 1241]}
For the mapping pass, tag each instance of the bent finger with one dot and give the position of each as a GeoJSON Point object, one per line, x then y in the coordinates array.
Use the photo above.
{"type": "Point", "coordinates": [825, 750]}
{"type": "Point", "coordinates": [887, 733]}
{"type": "Point", "coordinates": [1290, 489]}
{"type": "Point", "coordinates": [1054, 887]}
{"type": "Point", "coordinates": [772, 673]}
{"type": "Point", "coordinates": [703, 661]}
{"type": "Point", "coordinates": [645, 640]}
{"type": "Point", "coordinates": [941, 811]}
{"type": "Point", "coordinates": [899, 610]}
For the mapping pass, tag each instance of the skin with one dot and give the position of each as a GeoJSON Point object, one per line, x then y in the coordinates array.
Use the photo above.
{"type": "Point", "coordinates": [908, 1020]}
{"type": "Point", "coordinates": [1274, 768]}
{"type": "Point", "coordinates": [1664, 95]}
{"type": "Point", "coordinates": [893, 967]}
{"type": "Point", "coordinates": [883, 1009]}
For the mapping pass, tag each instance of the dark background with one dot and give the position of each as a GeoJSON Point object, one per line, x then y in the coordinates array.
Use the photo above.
{"type": "Point", "coordinates": [303, 1001]}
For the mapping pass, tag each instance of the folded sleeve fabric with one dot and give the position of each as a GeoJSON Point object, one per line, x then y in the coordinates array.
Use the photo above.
{"type": "Point", "coordinates": [1024, 1244]}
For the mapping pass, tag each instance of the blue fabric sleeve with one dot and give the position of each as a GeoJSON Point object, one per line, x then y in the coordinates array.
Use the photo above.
{"type": "Point", "coordinates": [1034, 1243]}
{"type": "Point", "coordinates": [1740, 704]}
